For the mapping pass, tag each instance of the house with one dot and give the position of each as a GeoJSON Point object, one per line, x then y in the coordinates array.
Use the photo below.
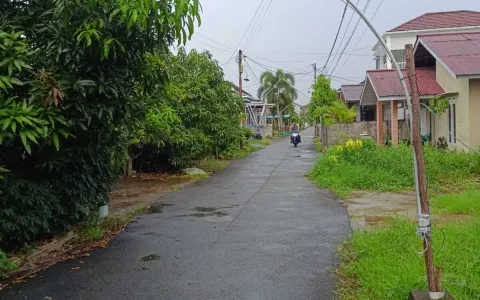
{"type": "Point", "coordinates": [384, 93]}
{"type": "Point", "coordinates": [456, 59]}
{"type": "Point", "coordinates": [351, 95]}
{"type": "Point", "coordinates": [447, 65]}
{"type": "Point", "coordinates": [430, 23]}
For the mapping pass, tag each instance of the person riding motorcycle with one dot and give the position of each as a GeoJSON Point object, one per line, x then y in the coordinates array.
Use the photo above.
{"type": "Point", "coordinates": [295, 129]}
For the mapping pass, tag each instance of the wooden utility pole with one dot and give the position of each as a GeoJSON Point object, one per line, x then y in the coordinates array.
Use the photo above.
{"type": "Point", "coordinates": [433, 274]}
{"type": "Point", "coordinates": [315, 71]}
{"type": "Point", "coordinates": [240, 72]}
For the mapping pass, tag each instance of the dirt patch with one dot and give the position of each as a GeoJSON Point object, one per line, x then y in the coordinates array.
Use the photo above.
{"type": "Point", "coordinates": [367, 209]}
{"type": "Point", "coordinates": [142, 190]}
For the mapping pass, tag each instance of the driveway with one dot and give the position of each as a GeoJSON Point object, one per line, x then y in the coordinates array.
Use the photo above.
{"type": "Point", "coordinates": [257, 230]}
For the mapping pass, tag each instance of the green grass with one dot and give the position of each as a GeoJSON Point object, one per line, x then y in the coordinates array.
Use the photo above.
{"type": "Point", "coordinates": [212, 165]}
{"type": "Point", "coordinates": [467, 202]}
{"type": "Point", "coordinates": [5, 265]}
{"type": "Point", "coordinates": [390, 169]}
{"type": "Point", "coordinates": [317, 144]}
{"type": "Point", "coordinates": [263, 142]}
{"type": "Point", "coordinates": [384, 263]}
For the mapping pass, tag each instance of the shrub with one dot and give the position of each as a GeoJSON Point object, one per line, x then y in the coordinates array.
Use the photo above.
{"type": "Point", "coordinates": [5, 265]}
{"type": "Point", "coordinates": [33, 208]}
{"type": "Point", "coordinates": [247, 133]}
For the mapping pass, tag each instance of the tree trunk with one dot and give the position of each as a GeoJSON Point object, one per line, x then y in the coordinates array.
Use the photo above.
{"type": "Point", "coordinates": [130, 167]}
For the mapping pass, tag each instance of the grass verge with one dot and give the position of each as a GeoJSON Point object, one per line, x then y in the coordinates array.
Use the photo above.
{"type": "Point", "coordinates": [212, 165]}
{"type": "Point", "coordinates": [385, 263]}
{"type": "Point", "coordinates": [346, 169]}
{"type": "Point", "coordinates": [467, 202]}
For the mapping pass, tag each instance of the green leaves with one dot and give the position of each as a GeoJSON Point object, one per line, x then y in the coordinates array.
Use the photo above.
{"type": "Point", "coordinates": [3, 171]}
{"type": "Point", "coordinates": [30, 123]}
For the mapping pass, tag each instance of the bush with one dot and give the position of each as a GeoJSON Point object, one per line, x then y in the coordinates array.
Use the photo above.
{"type": "Point", "coordinates": [37, 208]}
{"type": "Point", "coordinates": [5, 265]}
{"type": "Point", "coordinates": [247, 133]}
{"type": "Point", "coordinates": [391, 169]}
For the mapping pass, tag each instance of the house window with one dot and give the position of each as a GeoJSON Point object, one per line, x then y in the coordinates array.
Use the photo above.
{"type": "Point", "coordinates": [452, 124]}
{"type": "Point", "coordinates": [399, 55]}
{"type": "Point", "coordinates": [377, 62]}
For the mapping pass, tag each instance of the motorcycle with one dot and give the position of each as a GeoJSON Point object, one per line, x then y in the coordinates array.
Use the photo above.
{"type": "Point", "coordinates": [295, 139]}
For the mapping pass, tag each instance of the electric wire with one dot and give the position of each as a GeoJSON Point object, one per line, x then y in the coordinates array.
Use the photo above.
{"type": "Point", "coordinates": [336, 37]}
{"type": "Point", "coordinates": [260, 26]}
{"type": "Point", "coordinates": [244, 34]}
{"type": "Point", "coordinates": [363, 33]}
{"type": "Point", "coordinates": [351, 36]}
{"type": "Point", "coordinates": [345, 33]}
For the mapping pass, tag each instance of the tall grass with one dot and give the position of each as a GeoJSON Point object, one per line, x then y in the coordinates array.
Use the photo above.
{"type": "Point", "coordinates": [385, 263]}
{"type": "Point", "coordinates": [391, 169]}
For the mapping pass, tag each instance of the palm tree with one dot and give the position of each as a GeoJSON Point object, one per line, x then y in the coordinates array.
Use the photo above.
{"type": "Point", "coordinates": [278, 89]}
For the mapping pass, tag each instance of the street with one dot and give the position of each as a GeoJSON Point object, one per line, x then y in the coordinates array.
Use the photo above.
{"type": "Point", "coordinates": [256, 230]}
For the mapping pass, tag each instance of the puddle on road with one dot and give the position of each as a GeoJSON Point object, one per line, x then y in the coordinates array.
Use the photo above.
{"type": "Point", "coordinates": [208, 211]}
{"type": "Point", "coordinates": [151, 257]}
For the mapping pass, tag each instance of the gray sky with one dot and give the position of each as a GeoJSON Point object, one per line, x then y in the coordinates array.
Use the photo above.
{"type": "Point", "coordinates": [292, 35]}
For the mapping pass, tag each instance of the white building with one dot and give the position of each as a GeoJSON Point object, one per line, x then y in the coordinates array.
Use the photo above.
{"type": "Point", "coordinates": [427, 24]}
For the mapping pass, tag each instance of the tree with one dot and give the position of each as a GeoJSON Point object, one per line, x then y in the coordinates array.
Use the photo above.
{"type": "Point", "coordinates": [326, 107]}
{"type": "Point", "coordinates": [71, 83]}
{"type": "Point", "coordinates": [279, 89]}
{"type": "Point", "coordinates": [192, 116]}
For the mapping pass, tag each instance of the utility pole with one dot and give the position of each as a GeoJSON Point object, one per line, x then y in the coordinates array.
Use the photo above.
{"type": "Point", "coordinates": [433, 273]}
{"type": "Point", "coordinates": [240, 72]}
{"type": "Point", "coordinates": [315, 71]}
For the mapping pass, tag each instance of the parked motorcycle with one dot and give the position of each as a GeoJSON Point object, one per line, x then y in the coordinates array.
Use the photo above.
{"type": "Point", "coordinates": [295, 139]}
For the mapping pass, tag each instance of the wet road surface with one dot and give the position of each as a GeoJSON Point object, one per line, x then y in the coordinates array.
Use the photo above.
{"type": "Point", "coordinates": [257, 230]}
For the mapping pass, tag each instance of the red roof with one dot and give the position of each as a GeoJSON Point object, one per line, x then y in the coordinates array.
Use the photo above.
{"type": "Point", "coordinates": [458, 52]}
{"type": "Point", "coordinates": [352, 92]}
{"type": "Point", "coordinates": [387, 84]}
{"type": "Point", "coordinates": [448, 19]}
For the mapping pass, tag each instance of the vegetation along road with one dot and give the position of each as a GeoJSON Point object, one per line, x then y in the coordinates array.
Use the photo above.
{"type": "Point", "coordinates": [257, 230]}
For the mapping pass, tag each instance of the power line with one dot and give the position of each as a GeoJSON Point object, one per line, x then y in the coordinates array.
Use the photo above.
{"type": "Point", "coordinates": [336, 37]}
{"type": "Point", "coordinates": [210, 45]}
{"type": "Point", "coordinates": [245, 33]}
{"type": "Point", "coordinates": [210, 39]}
{"type": "Point", "coordinates": [363, 33]}
{"type": "Point", "coordinates": [253, 72]}
{"type": "Point", "coordinates": [351, 36]}
{"type": "Point", "coordinates": [309, 53]}
{"type": "Point", "coordinates": [261, 23]}
{"type": "Point", "coordinates": [273, 69]}
{"type": "Point", "coordinates": [345, 33]}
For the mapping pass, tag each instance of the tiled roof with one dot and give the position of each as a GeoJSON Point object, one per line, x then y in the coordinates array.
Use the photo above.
{"type": "Point", "coordinates": [387, 84]}
{"type": "Point", "coordinates": [448, 19]}
{"type": "Point", "coordinates": [352, 92]}
{"type": "Point", "coordinates": [459, 52]}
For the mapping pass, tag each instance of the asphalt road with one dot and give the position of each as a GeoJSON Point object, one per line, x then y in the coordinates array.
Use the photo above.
{"type": "Point", "coordinates": [257, 230]}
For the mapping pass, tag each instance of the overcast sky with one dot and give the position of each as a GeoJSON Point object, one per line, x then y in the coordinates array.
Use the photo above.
{"type": "Point", "coordinates": [294, 34]}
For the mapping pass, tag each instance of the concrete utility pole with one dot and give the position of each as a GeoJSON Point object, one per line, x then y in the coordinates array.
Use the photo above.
{"type": "Point", "coordinates": [240, 72]}
{"type": "Point", "coordinates": [425, 228]}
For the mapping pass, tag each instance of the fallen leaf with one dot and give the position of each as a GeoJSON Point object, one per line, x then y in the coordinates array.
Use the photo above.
{"type": "Point", "coordinates": [86, 255]}
{"type": "Point", "coordinates": [75, 268]}
{"type": "Point", "coordinates": [32, 276]}
{"type": "Point", "coordinates": [81, 262]}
